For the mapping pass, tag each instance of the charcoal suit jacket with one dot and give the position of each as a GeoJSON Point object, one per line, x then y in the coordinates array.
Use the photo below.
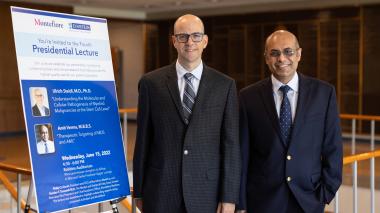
{"type": "Point", "coordinates": [308, 168]}
{"type": "Point", "coordinates": [192, 166]}
{"type": "Point", "coordinates": [37, 113]}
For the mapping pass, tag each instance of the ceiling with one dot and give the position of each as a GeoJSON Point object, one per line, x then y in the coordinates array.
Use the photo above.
{"type": "Point", "coordinates": [164, 9]}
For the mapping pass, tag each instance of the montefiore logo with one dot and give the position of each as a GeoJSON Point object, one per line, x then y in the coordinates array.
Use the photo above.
{"type": "Point", "coordinates": [76, 26]}
{"type": "Point", "coordinates": [39, 22]}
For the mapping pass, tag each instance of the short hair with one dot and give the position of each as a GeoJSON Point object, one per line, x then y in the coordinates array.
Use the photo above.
{"type": "Point", "coordinates": [36, 89]}
{"type": "Point", "coordinates": [281, 32]}
{"type": "Point", "coordinates": [44, 125]}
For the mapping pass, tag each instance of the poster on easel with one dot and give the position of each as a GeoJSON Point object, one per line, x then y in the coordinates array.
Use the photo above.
{"type": "Point", "coordinates": [70, 107]}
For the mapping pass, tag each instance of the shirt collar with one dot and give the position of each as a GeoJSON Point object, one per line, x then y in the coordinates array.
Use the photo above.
{"type": "Point", "coordinates": [181, 71]}
{"type": "Point", "coordinates": [41, 108]}
{"type": "Point", "coordinates": [293, 83]}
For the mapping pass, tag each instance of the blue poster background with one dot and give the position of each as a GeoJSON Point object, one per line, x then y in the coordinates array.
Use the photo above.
{"type": "Point", "coordinates": [92, 131]}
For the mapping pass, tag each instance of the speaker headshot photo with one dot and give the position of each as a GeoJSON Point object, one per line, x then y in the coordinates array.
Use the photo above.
{"type": "Point", "coordinates": [44, 138]}
{"type": "Point", "coordinates": [39, 101]}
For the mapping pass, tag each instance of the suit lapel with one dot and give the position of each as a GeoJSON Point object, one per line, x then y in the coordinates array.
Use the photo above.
{"type": "Point", "coordinates": [172, 84]}
{"type": "Point", "coordinates": [266, 92]}
{"type": "Point", "coordinates": [304, 97]}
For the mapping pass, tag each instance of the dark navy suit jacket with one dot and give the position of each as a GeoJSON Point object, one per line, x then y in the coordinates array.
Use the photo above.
{"type": "Point", "coordinates": [309, 167]}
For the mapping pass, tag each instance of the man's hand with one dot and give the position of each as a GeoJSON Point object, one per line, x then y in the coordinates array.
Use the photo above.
{"type": "Point", "coordinates": [139, 204]}
{"type": "Point", "coordinates": [226, 208]}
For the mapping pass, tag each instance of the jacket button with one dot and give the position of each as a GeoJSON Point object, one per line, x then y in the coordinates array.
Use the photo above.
{"type": "Point", "coordinates": [289, 157]}
{"type": "Point", "coordinates": [288, 179]}
{"type": "Point", "coordinates": [185, 152]}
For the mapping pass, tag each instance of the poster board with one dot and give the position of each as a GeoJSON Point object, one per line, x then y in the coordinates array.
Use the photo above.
{"type": "Point", "coordinates": [70, 108]}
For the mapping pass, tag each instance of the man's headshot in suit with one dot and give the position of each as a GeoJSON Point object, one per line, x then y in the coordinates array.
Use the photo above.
{"type": "Point", "coordinates": [45, 142]}
{"type": "Point", "coordinates": [39, 101]}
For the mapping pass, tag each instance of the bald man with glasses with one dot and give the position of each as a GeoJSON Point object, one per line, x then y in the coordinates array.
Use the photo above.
{"type": "Point", "coordinates": [44, 145]}
{"type": "Point", "coordinates": [187, 156]}
{"type": "Point", "coordinates": [39, 109]}
{"type": "Point", "coordinates": [290, 136]}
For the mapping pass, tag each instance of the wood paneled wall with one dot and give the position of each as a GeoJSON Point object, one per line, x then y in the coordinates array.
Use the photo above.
{"type": "Point", "coordinates": [339, 45]}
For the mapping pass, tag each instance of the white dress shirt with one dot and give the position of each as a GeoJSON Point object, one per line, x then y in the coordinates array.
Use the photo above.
{"type": "Point", "coordinates": [292, 94]}
{"type": "Point", "coordinates": [41, 147]}
{"type": "Point", "coordinates": [41, 109]}
{"type": "Point", "coordinates": [181, 71]}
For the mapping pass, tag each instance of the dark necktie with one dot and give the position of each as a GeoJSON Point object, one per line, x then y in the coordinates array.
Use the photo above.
{"type": "Point", "coordinates": [46, 148]}
{"type": "Point", "coordinates": [285, 115]}
{"type": "Point", "coordinates": [188, 97]}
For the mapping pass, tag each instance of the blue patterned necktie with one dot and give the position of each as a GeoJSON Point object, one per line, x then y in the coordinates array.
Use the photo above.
{"type": "Point", "coordinates": [285, 115]}
{"type": "Point", "coordinates": [46, 148]}
{"type": "Point", "coordinates": [188, 98]}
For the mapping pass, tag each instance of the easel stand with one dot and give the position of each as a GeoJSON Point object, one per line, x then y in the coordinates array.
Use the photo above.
{"type": "Point", "coordinates": [29, 198]}
{"type": "Point", "coordinates": [114, 205]}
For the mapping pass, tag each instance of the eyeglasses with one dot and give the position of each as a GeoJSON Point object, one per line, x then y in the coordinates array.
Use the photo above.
{"type": "Point", "coordinates": [288, 52]}
{"type": "Point", "coordinates": [184, 38]}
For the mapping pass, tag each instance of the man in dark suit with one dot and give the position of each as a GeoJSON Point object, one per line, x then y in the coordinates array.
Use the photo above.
{"type": "Point", "coordinates": [291, 144]}
{"type": "Point", "coordinates": [187, 156]}
{"type": "Point", "coordinates": [38, 108]}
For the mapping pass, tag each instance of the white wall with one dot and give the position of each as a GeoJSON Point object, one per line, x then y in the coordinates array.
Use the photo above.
{"type": "Point", "coordinates": [129, 37]}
